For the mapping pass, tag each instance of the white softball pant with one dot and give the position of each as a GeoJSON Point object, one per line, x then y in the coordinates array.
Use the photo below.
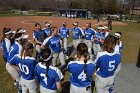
{"type": "Point", "coordinates": [96, 48]}
{"type": "Point", "coordinates": [76, 42]}
{"type": "Point", "coordinates": [89, 45]}
{"type": "Point", "coordinates": [28, 85]}
{"type": "Point", "coordinates": [75, 89]}
{"type": "Point", "coordinates": [61, 58]}
{"type": "Point", "coordinates": [45, 90]}
{"type": "Point", "coordinates": [65, 43]}
{"type": "Point", "coordinates": [13, 72]}
{"type": "Point", "coordinates": [104, 85]}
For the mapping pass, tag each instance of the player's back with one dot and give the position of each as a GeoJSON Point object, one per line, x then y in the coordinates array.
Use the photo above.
{"type": "Point", "coordinates": [53, 75]}
{"type": "Point", "coordinates": [107, 63]}
{"type": "Point", "coordinates": [78, 77]}
{"type": "Point", "coordinates": [26, 64]}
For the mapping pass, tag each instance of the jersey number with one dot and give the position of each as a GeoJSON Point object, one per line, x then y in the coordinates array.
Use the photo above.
{"type": "Point", "coordinates": [82, 76]}
{"type": "Point", "coordinates": [11, 49]}
{"type": "Point", "coordinates": [24, 68]}
{"type": "Point", "coordinates": [111, 65]}
{"type": "Point", "coordinates": [44, 78]}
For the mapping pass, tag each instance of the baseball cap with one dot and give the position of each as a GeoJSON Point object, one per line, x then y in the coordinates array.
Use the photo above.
{"type": "Point", "coordinates": [117, 35]}
{"type": "Point", "coordinates": [75, 23]}
{"type": "Point", "coordinates": [64, 23]}
{"type": "Point", "coordinates": [47, 24]}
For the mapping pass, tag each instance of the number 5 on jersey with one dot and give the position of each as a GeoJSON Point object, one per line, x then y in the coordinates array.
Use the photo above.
{"type": "Point", "coordinates": [111, 65]}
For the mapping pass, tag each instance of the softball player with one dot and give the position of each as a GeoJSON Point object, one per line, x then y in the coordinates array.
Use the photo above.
{"type": "Point", "coordinates": [5, 42]}
{"type": "Point", "coordinates": [47, 29]}
{"type": "Point", "coordinates": [77, 34]}
{"type": "Point", "coordinates": [107, 64]}
{"type": "Point", "coordinates": [81, 71]}
{"type": "Point", "coordinates": [64, 33]}
{"type": "Point", "coordinates": [39, 36]}
{"type": "Point", "coordinates": [54, 43]}
{"type": "Point", "coordinates": [27, 64]}
{"type": "Point", "coordinates": [16, 48]}
{"type": "Point", "coordinates": [89, 34]}
{"type": "Point", "coordinates": [97, 41]}
{"type": "Point", "coordinates": [49, 77]}
{"type": "Point", "coordinates": [119, 44]}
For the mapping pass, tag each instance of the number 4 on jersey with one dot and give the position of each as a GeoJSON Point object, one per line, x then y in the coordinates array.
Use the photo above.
{"type": "Point", "coordinates": [82, 76]}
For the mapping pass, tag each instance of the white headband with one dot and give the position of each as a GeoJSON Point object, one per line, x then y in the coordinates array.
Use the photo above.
{"type": "Point", "coordinates": [22, 37]}
{"type": "Point", "coordinates": [9, 32]}
{"type": "Point", "coordinates": [47, 58]}
{"type": "Point", "coordinates": [22, 31]}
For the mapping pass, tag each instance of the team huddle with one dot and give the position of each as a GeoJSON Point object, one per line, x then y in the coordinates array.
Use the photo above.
{"type": "Point", "coordinates": [97, 54]}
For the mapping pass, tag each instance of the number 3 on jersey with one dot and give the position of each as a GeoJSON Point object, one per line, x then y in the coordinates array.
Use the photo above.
{"type": "Point", "coordinates": [82, 76]}
{"type": "Point", "coordinates": [44, 78]}
{"type": "Point", "coordinates": [111, 65]}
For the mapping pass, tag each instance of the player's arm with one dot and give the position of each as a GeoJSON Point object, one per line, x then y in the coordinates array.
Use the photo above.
{"type": "Point", "coordinates": [59, 77]}
{"type": "Point", "coordinates": [97, 61]}
{"type": "Point", "coordinates": [45, 43]}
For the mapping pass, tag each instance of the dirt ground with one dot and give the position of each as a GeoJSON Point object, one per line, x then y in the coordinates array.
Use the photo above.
{"type": "Point", "coordinates": [27, 22]}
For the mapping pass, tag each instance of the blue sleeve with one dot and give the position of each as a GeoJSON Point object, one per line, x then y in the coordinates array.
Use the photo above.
{"type": "Point", "coordinates": [13, 61]}
{"type": "Point", "coordinates": [4, 48]}
{"type": "Point", "coordinates": [35, 34]}
{"type": "Point", "coordinates": [57, 79]}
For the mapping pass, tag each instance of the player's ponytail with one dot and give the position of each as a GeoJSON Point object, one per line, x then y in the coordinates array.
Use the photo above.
{"type": "Point", "coordinates": [46, 57]}
{"type": "Point", "coordinates": [27, 50]}
{"type": "Point", "coordinates": [82, 50]}
{"type": "Point", "coordinates": [85, 65]}
{"type": "Point", "coordinates": [109, 44]}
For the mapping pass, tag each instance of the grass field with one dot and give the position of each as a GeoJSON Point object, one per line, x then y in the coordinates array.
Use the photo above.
{"type": "Point", "coordinates": [130, 38]}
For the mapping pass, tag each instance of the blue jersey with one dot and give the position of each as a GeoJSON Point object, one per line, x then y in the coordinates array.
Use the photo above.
{"type": "Point", "coordinates": [97, 36]}
{"type": "Point", "coordinates": [53, 43]}
{"type": "Point", "coordinates": [107, 63]}
{"type": "Point", "coordinates": [26, 65]}
{"type": "Point", "coordinates": [78, 77]}
{"type": "Point", "coordinates": [77, 33]}
{"type": "Point", "coordinates": [89, 33]}
{"type": "Point", "coordinates": [47, 31]}
{"type": "Point", "coordinates": [5, 44]}
{"type": "Point", "coordinates": [16, 48]}
{"type": "Point", "coordinates": [54, 76]}
{"type": "Point", "coordinates": [64, 32]}
{"type": "Point", "coordinates": [39, 35]}
{"type": "Point", "coordinates": [103, 36]}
